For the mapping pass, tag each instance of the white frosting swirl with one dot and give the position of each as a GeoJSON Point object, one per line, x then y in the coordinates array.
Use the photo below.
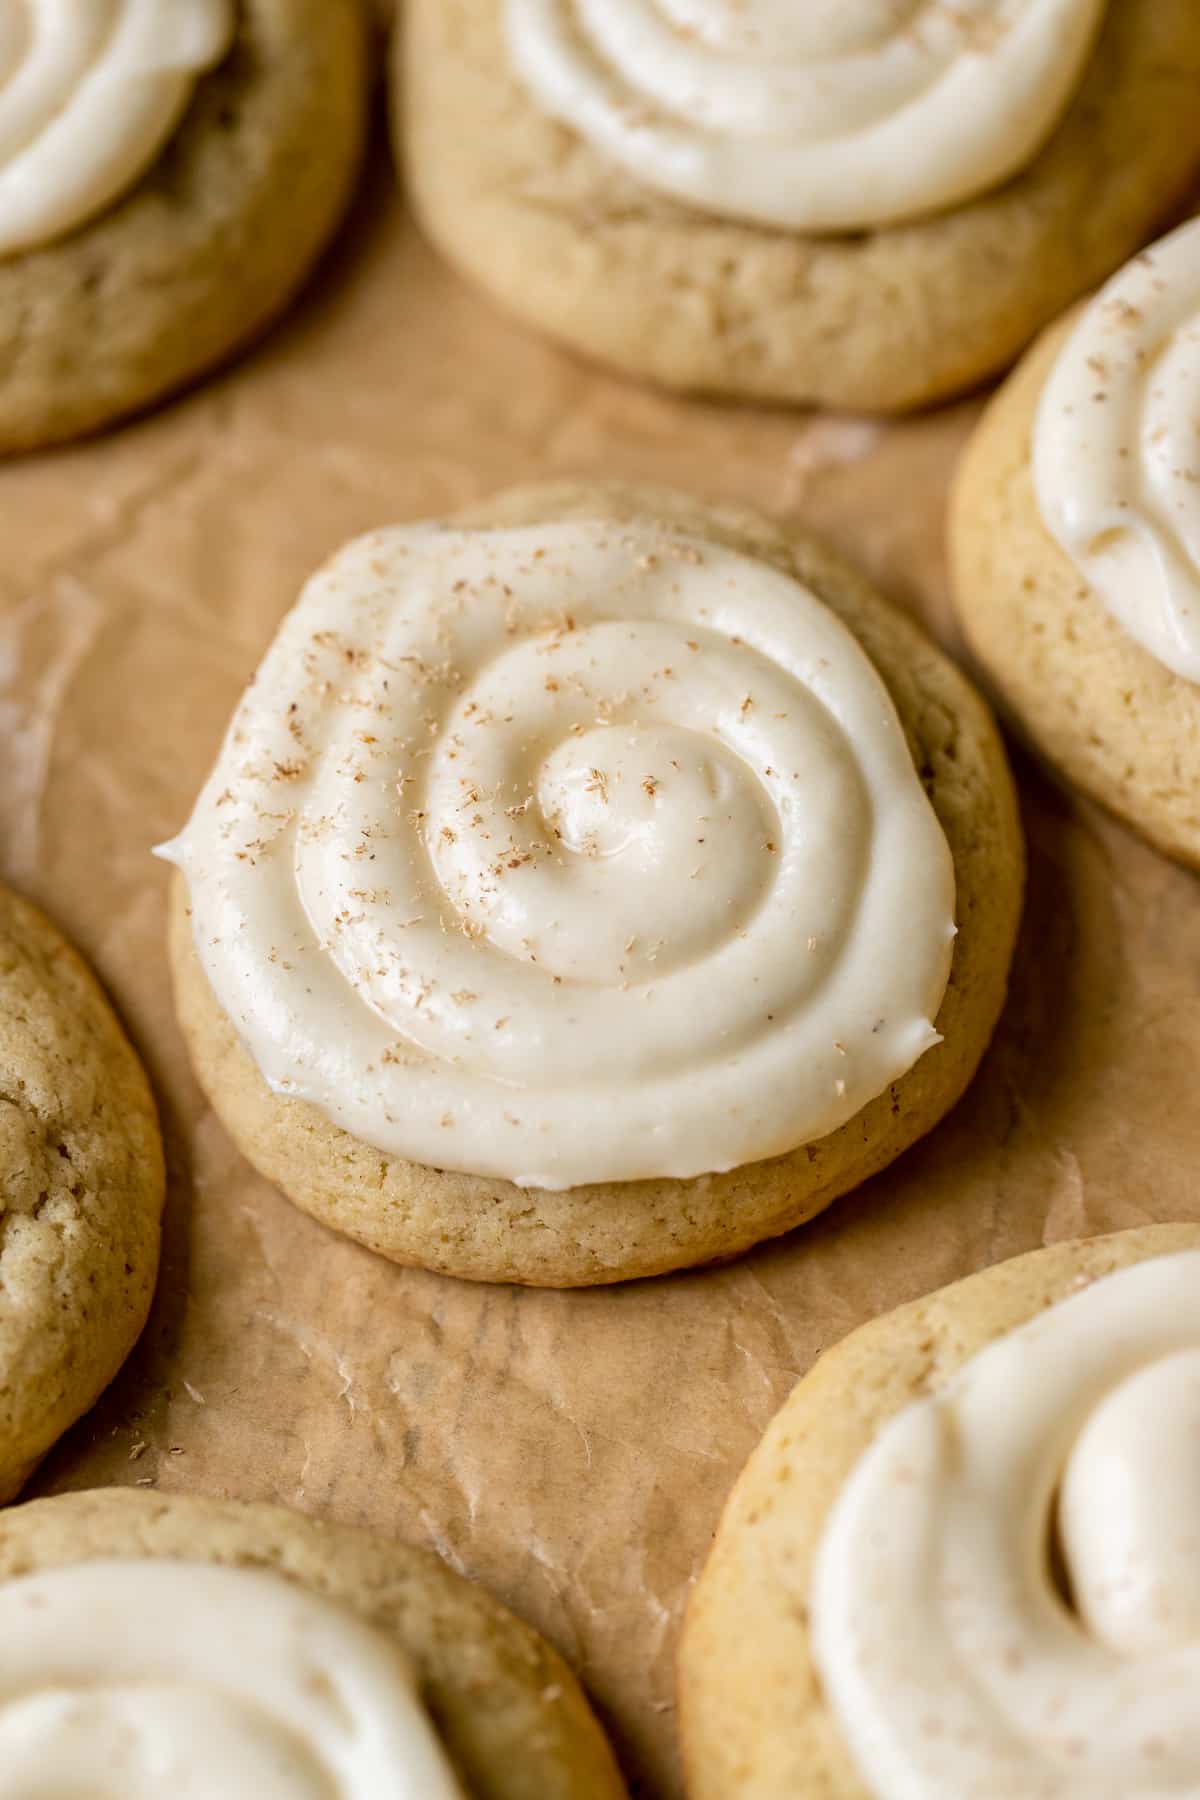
{"type": "Point", "coordinates": [130, 1680]}
{"type": "Point", "coordinates": [1116, 452]}
{"type": "Point", "coordinates": [570, 854]}
{"type": "Point", "coordinates": [828, 115]}
{"type": "Point", "coordinates": [90, 91]}
{"type": "Point", "coordinates": [955, 1666]}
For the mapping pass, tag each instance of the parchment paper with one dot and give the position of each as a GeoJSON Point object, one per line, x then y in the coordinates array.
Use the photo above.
{"type": "Point", "coordinates": [571, 1450]}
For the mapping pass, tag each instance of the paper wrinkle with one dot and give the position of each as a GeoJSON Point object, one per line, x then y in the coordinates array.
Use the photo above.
{"type": "Point", "coordinates": [833, 443]}
{"type": "Point", "coordinates": [44, 642]}
{"type": "Point", "coordinates": [572, 1451]}
{"type": "Point", "coordinates": [313, 1347]}
{"type": "Point", "coordinates": [1066, 1211]}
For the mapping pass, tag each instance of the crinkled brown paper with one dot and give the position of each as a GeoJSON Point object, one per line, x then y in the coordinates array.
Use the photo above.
{"type": "Point", "coordinates": [570, 1450]}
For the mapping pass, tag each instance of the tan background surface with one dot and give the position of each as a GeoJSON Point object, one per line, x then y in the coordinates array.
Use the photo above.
{"type": "Point", "coordinates": [571, 1450]}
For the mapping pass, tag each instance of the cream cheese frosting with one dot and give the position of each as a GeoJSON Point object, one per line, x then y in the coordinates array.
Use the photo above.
{"type": "Point", "coordinates": [830, 115]}
{"type": "Point", "coordinates": [573, 854]}
{"type": "Point", "coordinates": [1116, 451]}
{"type": "Point", "coordinates": [90, 91]}
{"type": "Point", "coordinates": [127, 1680]}
{"type": "Point", "coordinates": [959, 1664]}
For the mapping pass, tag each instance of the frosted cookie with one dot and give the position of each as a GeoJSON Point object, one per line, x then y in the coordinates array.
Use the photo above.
{"type": "Point", "coordinates": [963, 1560]}
{"type": "Point", "coordinates": [168, 174]}
{"type": "Point", "coordinates": [203, 1646]}
{"type": "Point", "coordinates": [867, 204]}
{"type": "Point", "coordinates": [1075, 540]}
{"type": "Point", "coordinates": [575, 894]}
{"type": "Point", "coordinates": [81, 1191]}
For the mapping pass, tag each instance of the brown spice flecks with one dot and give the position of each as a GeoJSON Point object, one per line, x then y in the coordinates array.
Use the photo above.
{"type": "Point", "coordinates": [1123, 311]}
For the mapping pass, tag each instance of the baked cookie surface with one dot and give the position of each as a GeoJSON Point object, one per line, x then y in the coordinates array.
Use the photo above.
{"type": "Point", "coordinates": [755, 1719]}
{"type": "Point", "coordinates": [206, 247]}
{"type": "Point", "coordinates": [491, 1229]}
{"type": "Point", "coordinates": [81, 1191]}
{"type": "Point", "coordinates": [503, 1703]}
{"type": "Point", "coordinates": [1113, 719]}
{"type": "Point", "coordinates": [878, 320]}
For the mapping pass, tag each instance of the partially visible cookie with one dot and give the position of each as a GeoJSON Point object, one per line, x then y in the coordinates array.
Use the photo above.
{"type": "Point", "coordinates": [81, 1190]}
{"type": "Point", "coordinates": [498, 1708]}
{"type": "Point", "coordinates": [555, 215]}
{"type": "Point", "coordinates": [756, 1716]}
{"type": "Point", "coordinates": [177, 270]}
{"type": "Point", "coordinates": [596, 946]}
{"type": "Point", "coordinates": [1076, 565]}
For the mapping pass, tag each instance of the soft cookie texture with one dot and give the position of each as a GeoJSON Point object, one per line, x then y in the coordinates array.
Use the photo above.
{"type": "Point", "coordinates": [1118, 723]}
{"type": "Point", "coordinates": [81, 1191]}
{"type": "Point", "coordinates": [505, 1705]}
{"type": "Point", "coordinates": [879, 320]}
{"type": "Point", "coordinates": [208, 246]}
{"type": "Point", "coordinates": [754, 1721]}
{"type": "Point", "coordinates": [489, 1229]}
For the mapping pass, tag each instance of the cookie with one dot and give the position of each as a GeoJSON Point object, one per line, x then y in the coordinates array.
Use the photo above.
{"type": "Point", "coordinates": [81, 1191]}
{"type": "Point", "coordinates": [547, 196]}
{"type": "Point", "coordinates": [352, 1655]}
{"type": "Point", "coordinates": [169, 229]}
{"type": "Point", "coordinates": [624, 812]}
{"type": "Point", "coordinates": [789, 1683]}
{"type": "Point", "coordinates": [1075, 546]}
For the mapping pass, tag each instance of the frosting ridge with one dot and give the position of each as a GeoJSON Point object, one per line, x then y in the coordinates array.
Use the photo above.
{"type": "Point", "coordinates": [829, 116]}
{"type": "Point", "coordinates": [131, 1679]}
{"type": "Point", "coordinates": [90, 91]}
{"type": "Point", "coordinates": [570, 854]}
{"type": "Point", "coordinates": [957, 1660]}
{"type": "Point", "coordinates": [1116, 454]}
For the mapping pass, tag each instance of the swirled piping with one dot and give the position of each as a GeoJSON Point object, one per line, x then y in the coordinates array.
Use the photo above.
{"type": "Point", "coordinates": [958, 1662]}
{"type": "Point", "coordinates": [830, 115]}
{"type": "Point", "coordinates": [1117, 452]}
{"type": "Point", "coordinates": [126, 1680]}
{"type": "Point", "coordinates": [90, 91]}
{"type": "Point", "coordinates": [570, 854]}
